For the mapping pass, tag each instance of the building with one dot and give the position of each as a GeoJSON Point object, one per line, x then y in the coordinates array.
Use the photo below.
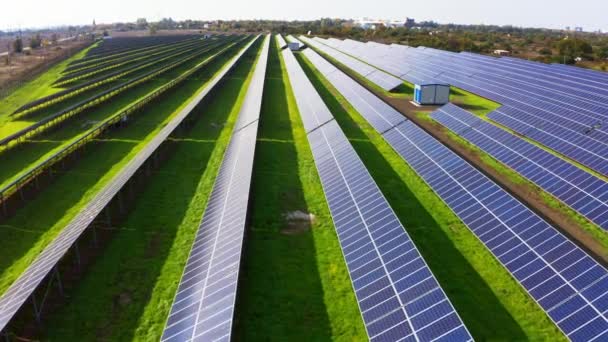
{"type": "Point", "coordinates": [410, 22]}
{"type": "Point", "coordinates": [295, 46]}
{"type": "Point", "coordinates": [372, 24]}
{"type": "Point", "coordinates": [502, 52]}
{"type": "Point", "coordinates": [432, 93]}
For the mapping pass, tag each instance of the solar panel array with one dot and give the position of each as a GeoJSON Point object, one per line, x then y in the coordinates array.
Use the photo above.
{"type": "Point", "coordinates": [398, 296]}
{"type": "Point", "coordinates": [380, 78]}
{"type": "Point", "coordinates": [563, 108]}
{"type": "Point", "coordinates": [203, 307]}
{"type": "Point", "coordinates": [281, 41]}
{"type": "Point", "coordinates": [583, 192]}
{"type": "Point", "coordinates": [31, 278]}
{"type": "Point", "coordinates": [562, 278]}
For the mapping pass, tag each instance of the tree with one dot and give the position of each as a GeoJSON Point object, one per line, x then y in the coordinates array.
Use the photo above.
{"type": "Point", "coordinates": [35, 41]}
{"type": "Point", "coordinates": [602, 52]}
{"type": "Point", "coordinates": [153, 29]}
{"type": "Point", "coordinates": [572, 48]}
{"type": "Point", "coordinates": [141, 23]}
{"type": "Point", "coordinates": [54, 38]}
{"type": "Point", "coordinates": [18, 45]}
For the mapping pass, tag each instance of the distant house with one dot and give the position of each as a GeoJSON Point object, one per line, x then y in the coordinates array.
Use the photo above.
{"type": "Point", "coordinates": [578, 59]}
{"type": "Point", "coordinates": [372, 24]}
{"type": "Point", "coordinates": [502, 52]}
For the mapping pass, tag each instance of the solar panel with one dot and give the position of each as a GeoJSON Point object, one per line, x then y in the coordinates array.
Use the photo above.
{"type": "Point", "coordinates": [398, 296]}
{"type": "Point", "coordinates": [582, 191]}
{"type": "Point", "coordinates": [563, 279]}
{"type": "Point", "coordinates": [19, 292]}
{"type": "Point", "coordinates": [566, 110]}
{"type": "Point", "coordinates": [203, 307]}
{"type": "Point", "coordinates": [307, 97]}
{"type": "Point", "coordinates": [281, 41]}
{"type": "Point", "coordinates": [566, 282]}
{"type": "Point", "coordinates": [378, 77]}
{"type": "Point", "coordinates": [575, 146]}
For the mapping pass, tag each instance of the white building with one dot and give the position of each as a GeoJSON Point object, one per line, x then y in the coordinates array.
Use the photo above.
{"type": "Point", "coordinates": [372, 24]}
{"type": "Point", "coordinates": [502, 52]}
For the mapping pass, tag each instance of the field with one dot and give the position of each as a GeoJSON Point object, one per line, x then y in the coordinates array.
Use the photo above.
{"type": "Point", "coordinates": [294, 284]}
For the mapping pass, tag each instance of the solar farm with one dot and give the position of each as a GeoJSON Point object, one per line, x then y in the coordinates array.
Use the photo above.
{"type": "Point", "coordinates": [279, 187]}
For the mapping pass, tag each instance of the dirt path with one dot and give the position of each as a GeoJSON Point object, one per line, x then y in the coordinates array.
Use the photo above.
{"type": "Point", "coordinates": [25, 67]}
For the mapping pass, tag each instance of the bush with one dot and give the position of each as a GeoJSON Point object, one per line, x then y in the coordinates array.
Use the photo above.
{"type": "Point", "coordinates": [18, 45]}
{"type": "Point", "coordinates": [35, 41]}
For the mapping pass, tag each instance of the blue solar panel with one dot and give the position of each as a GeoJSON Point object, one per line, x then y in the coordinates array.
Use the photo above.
{"type": "Point", "coordinates": [378, 77]}
{"type": "Point", "coordinates": [281, 41]}
{"type": "Point", "coordinates": [307, 95]}
{"type": "Point", "coordinates": [573, 145]}
{"type": "Point", "coordinates": [203, 307]}
{"type": "Point", "coordinates": [566, 282]}
{"type": "Point", "coordinates": [580, 190]}
{"type": "Point", "coordinates": [398, 296]}
{"type": "Point", "coordinates": [563, 102]}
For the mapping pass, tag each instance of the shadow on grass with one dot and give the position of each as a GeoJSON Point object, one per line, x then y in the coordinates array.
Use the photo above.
{"type": "Point", "coordinates": [120, 283]}
{"type": "Point", "coordinates": [26, 155]}
{"type": "Point", "coordinates": [470, 107]}
{"type": "Point", "coordinates": [281, 295]}
{"type": "Point", "coordinates": [404, 89]}
{"type": "Point", "coordinates": [481, 310]}
{"type": "Point", "coordinates": [37, 223]}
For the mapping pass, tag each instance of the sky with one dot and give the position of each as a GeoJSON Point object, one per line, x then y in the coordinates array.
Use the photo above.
{"type": "Point", "coordinates": [589, 14]}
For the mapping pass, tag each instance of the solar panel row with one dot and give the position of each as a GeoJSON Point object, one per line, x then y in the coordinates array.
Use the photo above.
{"type": "Point", "coordinates": [203, 307]}
{"type": "Point", "coordinates": [557, 103]}
{"type": "Point", "coordinates": [580, 190]}
{"type": "Point", "coordinates": [19, 292]}
{"type": "Point", "coordinates": [566, 282]}
{"type": "Point", "coordinates": [378, 77]}
{"type": "Point", "coordinates": [398, 296]}
{"type": "Point", "coordinates": [281, 41]}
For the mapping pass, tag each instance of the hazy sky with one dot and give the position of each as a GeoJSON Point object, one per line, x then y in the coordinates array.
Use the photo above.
{"type": "Point", "coordinates": [590, 14]}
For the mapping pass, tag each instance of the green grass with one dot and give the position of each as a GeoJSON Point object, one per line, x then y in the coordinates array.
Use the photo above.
{"type": "Point", "coordinates": [13, 124]}
{"type": "Point", "coordinates": [489, 300]}
{"type": "Point", "coordinates": [133, 283]}
{"type": "Point", "coordinates": [294, 284]}
{"type": "Point", "coordinates": [39, 87]}
{"type": "Point", "coordinates": [23, 236]}
{"type": "Point", "coordinates": [19, 159]}
{"type": "Point", "coordinates": [471, 102]}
